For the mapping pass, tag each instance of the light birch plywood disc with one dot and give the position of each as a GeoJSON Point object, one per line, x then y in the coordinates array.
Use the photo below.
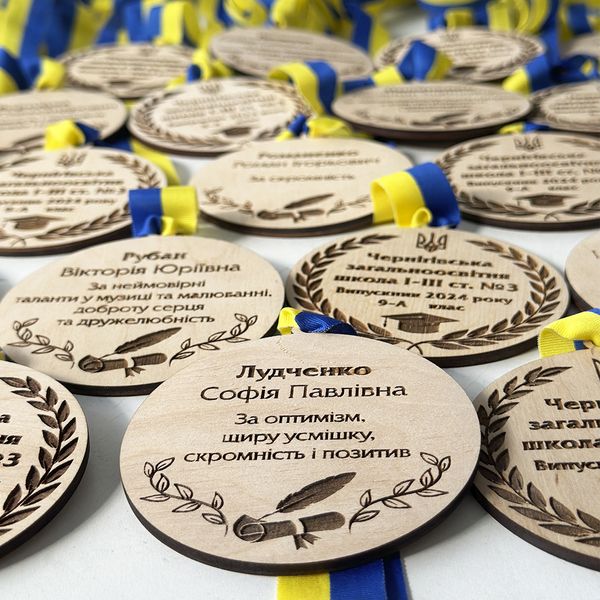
{"type": "Point", "coordinates": [434, 111]}
{"type": "Point", "coordinates": [529, 181]}
{"type": "Point", "coordinates": [24, 116]}
{"type": "Point", "coordinates": [456, 298]}
{"type": "Point", "coordinates": [301, 187]}
{"type": "Point", "coordinates": [538, 471]}
{"type": "Point", "coordinates": [303, 472]}
{"type": "Point", "coordinates": [569, 107]}
{"type": "Point", "coordinates": [588, 44]}
{"type": "Point", "coordinates": [43, 451]}
{"type": "Point", "coordinates": [216, 116]}
{"type": "Point", "coordinates": [477, 54]}
{"type": "Point", "coordinates": [255, 51]}
{"type": "Point", "coordinates": [58, 201]}
{"type": "Point", "coordinates": [120, 318]}
{"type": "Point", "coordinates": [582, 271]}
{"type": "Point", "coordinates": [127, 71]}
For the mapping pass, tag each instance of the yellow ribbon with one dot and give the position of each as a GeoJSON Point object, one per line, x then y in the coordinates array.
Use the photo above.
{"type": "Point", "coordinates": [61, 135]}
{"type": "Point", "coordinates": [180, 208]}
{"type": "Point", "coordinates": [570, 334]}
{"type": "Point", "coordinates": [305, 587]}
{"type": "Point", "coordinates": [397, 198]}
{"type": "Point", "coordinates": [287, 320]}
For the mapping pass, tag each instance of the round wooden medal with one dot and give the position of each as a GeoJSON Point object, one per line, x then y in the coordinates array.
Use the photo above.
{"type": "Point", "coordinates": [456, 298]}
{"type": "Point", "coordinates": [303, 187]}
{"type": "Point", "coordinates": [43, 451]}
{"type": "Point", "coordinates": [477, 53]}
{"type": "Point", "coordinates": [538, 471]}
{"type": "Point", "coordinates": [257, 50]}
{"type": "Point", "coordinates": [120, 318]}
{"type": "Point", "coordinates": [216, 116]}
{"type": "Point", "coordinates": [24, 116]}
{"type": "Point", "coordinates": [531, 181]}
{"type": "Point", "coordinates": [300, 453]}
{"type": "Point", "coordinates": [582, 270]}
{"type": "Point", "coordinates": [588, 44]}
{"type": "Point", "coordinates": [431, 111]}
{"type": "Point", "coordinates": [127, 71]}
{"type": "Point", "coordinates": [58, 201]}
{"type": "Point", "coordinates": [569, 107]}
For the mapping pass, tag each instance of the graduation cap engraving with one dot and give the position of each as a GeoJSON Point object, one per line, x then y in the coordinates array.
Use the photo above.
{"type": "Point", "coordinates": [432, 244]}
{"type": "Point", "coordinates": [418, 322]}
{"type": "Point", "coordinates": [545, 200]}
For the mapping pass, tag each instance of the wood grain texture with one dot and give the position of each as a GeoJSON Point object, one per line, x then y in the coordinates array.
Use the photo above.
{"type": "Point", "coordinates": [43, 451]}
{"type": "Point", "coordinates": [454, 297]}
{"type": "Point", "coordinates": [431, 111]}
{"type": "Point", "coordinates": [58, 201]}
{"type": "Point", "coordinates": [569, 107]}
{"type": "Point", "coordinates": [216, 116]}
{"type": "Point", "coordinates": [119, 318]}
{"type": "Point", "coordinates": [255, 51]}
{"type": "Point", "coordinates": [538, 466]}
{"type": "Point", "coordinates": [477, 54]}
{"type": "Point", "coordinates": [300, 479]}
{"type": "Point", "coordinates": [129, 70]}
{"type": "Point", "coordinates": [582, 271]}
{"type": "Point", "coordinates": [303, 187]}
{"type": "Point", "coordinates": [529, 181]}
{"type": "Point", "coordinates": [24, 116]}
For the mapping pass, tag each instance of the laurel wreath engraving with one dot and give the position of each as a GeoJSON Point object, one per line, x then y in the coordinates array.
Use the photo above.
{"type": "Point", "coordinates": [543, 298]}
{"type": "Point", "coordinates": [405, 488]}
{"type": "Point", "coordinates": [146, 178]}
{"type": "Point", "coordinates": [183, 493]}
{"type": "Point", "coordinates": [144, 119]}
{"type": "Point", "coordinates": [234, 336]}
{"type": "Point", "coordinates": [472, 202]}
{"type": "Point", "coordinates": [41, 342]}
{"type": "Point", "coordinates": [507, 482]}
{"type": "Point", "coordinates": [44, 478]}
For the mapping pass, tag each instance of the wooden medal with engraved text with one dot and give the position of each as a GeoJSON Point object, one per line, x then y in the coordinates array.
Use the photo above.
{"type": "Point", "coordinates": [59, 201]}
{"type": "Point", "coordinates": [127, 71]}
{"type": "Point", "coordinates": [538, 471]}
{"type": "Point", "coordinates": [299, 453]}
{"type": "Point", "coordinates": [430, 111]}
{"type": "Point", "coordinates": [454, 297]}
{"type": "Point", "coordinates": [477, 54]}
{"type": "Point", "coordinates": [24, 116]}
{"type": "Point", "coordinates": [303, 187]}
{"type": "Point", "coordinates": [257, 50]}
{"type": "Point", "coordinates": [216, 116]}
{"type": "Point", "coordinates": [527, 181]}
{"type": "Point", "coordinates": [43, 451]}
{"type": "Point", "coordinates": [569, 107]}
{"type": "Point", "coordinates": [582, 272]}
{"type": "Point", "coordinates": [120, 318]}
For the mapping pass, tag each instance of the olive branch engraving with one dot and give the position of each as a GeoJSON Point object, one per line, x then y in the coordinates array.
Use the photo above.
{"type": "Point", "coordinates": [162, 484]}
{"type": "Point", "coordinates": [44, 478]}
{"type": "Point", "coordinates": [42, 342]}
{"type": "Point", "coordinates": [507, 482]}
{"type": "Point", "coordinates": [405, 488]}
{"type": "Point", "coordinates": [542, 301]}
{"type": "Point", "coordinates": [233, 336]}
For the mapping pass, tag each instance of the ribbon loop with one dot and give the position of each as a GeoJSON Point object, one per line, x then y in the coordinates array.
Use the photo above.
{"type": "Point", "coordinates": [308, 322]}
{"type": "Point", "coordinates": [416, 197]}
{"type": "Point", "coordinates": [69, 134]}
{"type": "Point", "coordinates": [170, 211]}
{"type": "Point", "coordinates": [570, 333]}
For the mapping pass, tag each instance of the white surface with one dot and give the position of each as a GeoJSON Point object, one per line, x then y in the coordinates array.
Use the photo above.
{"type": "Point", "coordinates": [97, 549]}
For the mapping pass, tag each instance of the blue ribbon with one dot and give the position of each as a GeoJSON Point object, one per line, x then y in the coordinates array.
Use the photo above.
{"type": "Point", "coordinates": [309, 322]}
{"type": "Point", "coordinates": [437, 194]}
{"type": "Point", "coordinates": [145, 208]}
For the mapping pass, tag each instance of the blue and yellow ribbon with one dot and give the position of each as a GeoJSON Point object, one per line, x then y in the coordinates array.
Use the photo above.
{"type": "Point", "coordinates": [308, 322]}
{"type": "Point", "coordinates": [417, 197]}
{"type": "Point", "coordinates": [318, 81]}
{"type": "Point", "coordinates": [569, 334]}
{"type": "Point", "coordinates": [167, 211]}
{"type": "Point", "coordinates": [22, 74]}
